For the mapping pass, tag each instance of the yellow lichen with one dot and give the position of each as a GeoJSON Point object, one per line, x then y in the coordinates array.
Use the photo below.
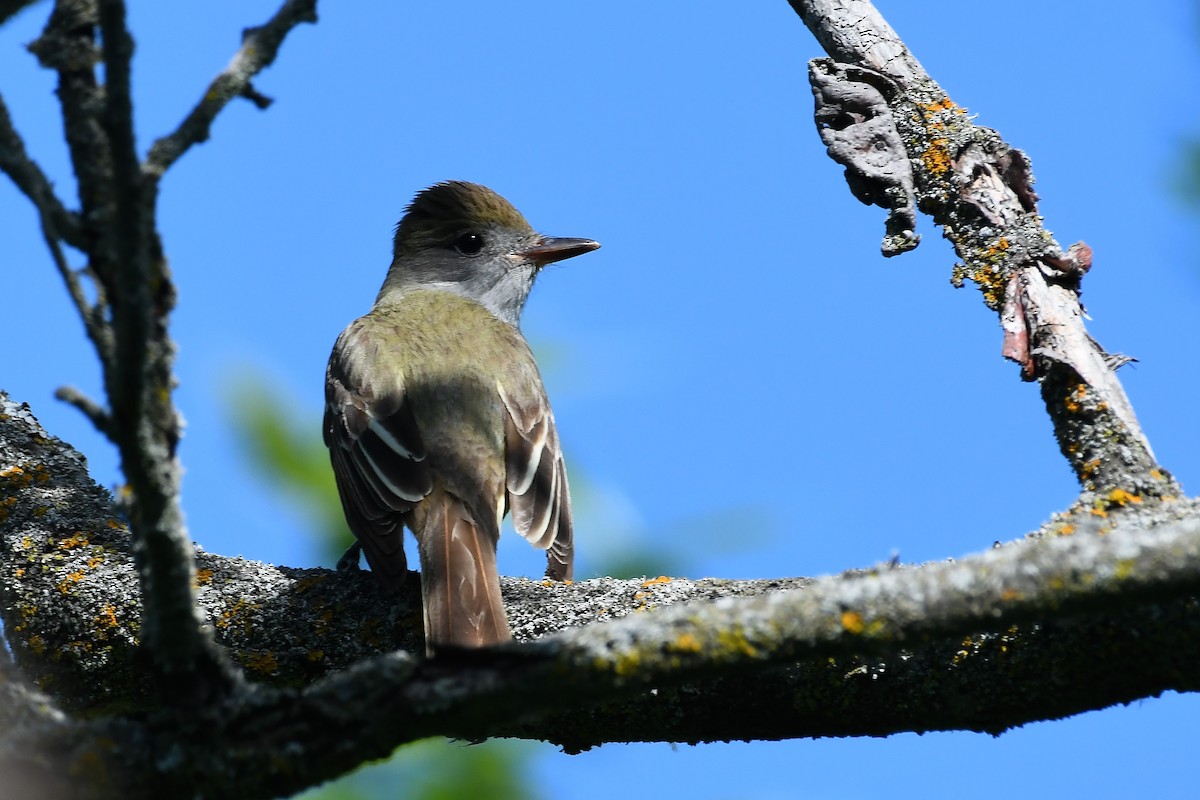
{"type": "Point", "coordinates": [627, 664]}
{"type": "Point", "coordinates": [686, 643]}
{"type": "Point", "coordinates": [734, 641]}
{"type": "Point", "coordinates": [263, 663]}
{"type": "Point", "coordinates": [234, 610]}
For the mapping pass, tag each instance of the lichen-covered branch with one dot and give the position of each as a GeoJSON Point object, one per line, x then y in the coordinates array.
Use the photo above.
{"type": "Point", "coordinates": [953, 645]}
{"type": "Point", "coordinates": [905, 145]}
{"type": "Point", "coordinates": [259, 48]}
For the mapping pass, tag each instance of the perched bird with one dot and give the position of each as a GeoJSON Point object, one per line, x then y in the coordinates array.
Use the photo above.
{"type": "Point", "coordinates": [436, 417]}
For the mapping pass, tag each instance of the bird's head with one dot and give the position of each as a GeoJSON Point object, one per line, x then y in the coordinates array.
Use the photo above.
{"type": "Point", "coordinates": [464, 238]}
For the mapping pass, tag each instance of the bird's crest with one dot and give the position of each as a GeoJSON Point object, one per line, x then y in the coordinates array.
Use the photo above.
{"type": "Point", "coordinates": [445, 209]}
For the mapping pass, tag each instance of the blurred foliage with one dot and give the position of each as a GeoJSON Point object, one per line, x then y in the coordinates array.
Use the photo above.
{"type": "Point", "coordinates": [285, 448]}
{"type": "Point", "coordinates": [1186, 178]}
{"type": "Point", "coordinates": [438, 770]}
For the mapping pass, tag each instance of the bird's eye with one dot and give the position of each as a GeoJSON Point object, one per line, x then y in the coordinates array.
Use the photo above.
{"type": "Point", "coordinates": [469, 244]}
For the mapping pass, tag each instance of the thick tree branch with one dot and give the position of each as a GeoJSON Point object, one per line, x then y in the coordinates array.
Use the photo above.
{"type": "Point", "coordinates": [259, 47]}
{"type": "Point", "coordinates": [861, 653]}
{"type": "Point", "coordinates": [905, 145]}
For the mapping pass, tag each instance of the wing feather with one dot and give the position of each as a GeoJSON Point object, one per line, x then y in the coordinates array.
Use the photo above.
{"type": "Point", "coordinates": [536, 479]}
{"type": "Point", "coordinates": [376, 450]}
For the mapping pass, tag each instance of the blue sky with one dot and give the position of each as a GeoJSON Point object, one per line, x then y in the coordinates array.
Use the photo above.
{"type": "Point", "coordinates": [738, 350]}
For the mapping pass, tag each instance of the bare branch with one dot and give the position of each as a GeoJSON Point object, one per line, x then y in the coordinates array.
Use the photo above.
{"type": "Point", "coordinates": [259, 47]}
{"type": "Point", "coordinates": [96, 413]}
{"type": "Point", "coordinates": [57, 224]}
{"type": "Point", "coordinates": [144, 421]}
{"type": "Point", "coordinates": [34, 184]}
{"type": "Point", "coordinates": [879, 112]}
{"type": "Point", "coordinates": [10, 8]}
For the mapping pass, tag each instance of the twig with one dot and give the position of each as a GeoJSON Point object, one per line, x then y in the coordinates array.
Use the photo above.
{"type": "Point", "coordinates": [10, 8]}
{"type": "Point", "coordinates": [95, 412]}
{"type": "Point", "coordinates": [30, 179]}
{"type": "Point", "coordinates": [259, 47]}
{"type": "Point", "coordinates": [68, 46]}
{"type": "Point", "coordinates": [980, 190]}
{"type": "Point", "coordinates": [57, 223]}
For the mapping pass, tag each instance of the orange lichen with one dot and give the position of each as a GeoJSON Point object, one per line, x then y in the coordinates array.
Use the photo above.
{"type": "Point", "coordinates": [78, 539]}
{"type": "Point", "coordinates": [1010, 594]}
{"type": "Point", "coordinates": [653, 581]}
{"type": "Point", "coordinates": [1073, 401]}
{"type": "Point", "coordinates": [108, 617]}
{"type": "Point", "coordinates": [853, 622]}
{"type": "Point", "coordinates": [1120, 497]}
{"type": "Point", "coordinates": [70, 580]}
{"type": "Point", "coordinates": [937, 156]}
{"type": "Point", "coordinates": [203, 576]}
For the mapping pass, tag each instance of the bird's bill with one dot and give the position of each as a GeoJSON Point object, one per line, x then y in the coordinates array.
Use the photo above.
{"type": "Point", "coordinates": [550, 249]}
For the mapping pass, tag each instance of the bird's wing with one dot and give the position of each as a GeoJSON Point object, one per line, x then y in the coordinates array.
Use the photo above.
{"type": "Point", "coordinates": [376, 450]}
{"type": "Point", "coordinates": [536, 477]}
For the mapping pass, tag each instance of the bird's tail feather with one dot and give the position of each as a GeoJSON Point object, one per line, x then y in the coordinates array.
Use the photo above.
{"type": "Point", "coordinates": [460, 585]}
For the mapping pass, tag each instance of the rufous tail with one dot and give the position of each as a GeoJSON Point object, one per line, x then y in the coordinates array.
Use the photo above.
{"type": "Point", "coordinates": [460, 586]}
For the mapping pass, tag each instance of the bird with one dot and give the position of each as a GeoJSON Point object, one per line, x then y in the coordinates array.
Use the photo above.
{"type": "Point", "coordinates": [436, 418]}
